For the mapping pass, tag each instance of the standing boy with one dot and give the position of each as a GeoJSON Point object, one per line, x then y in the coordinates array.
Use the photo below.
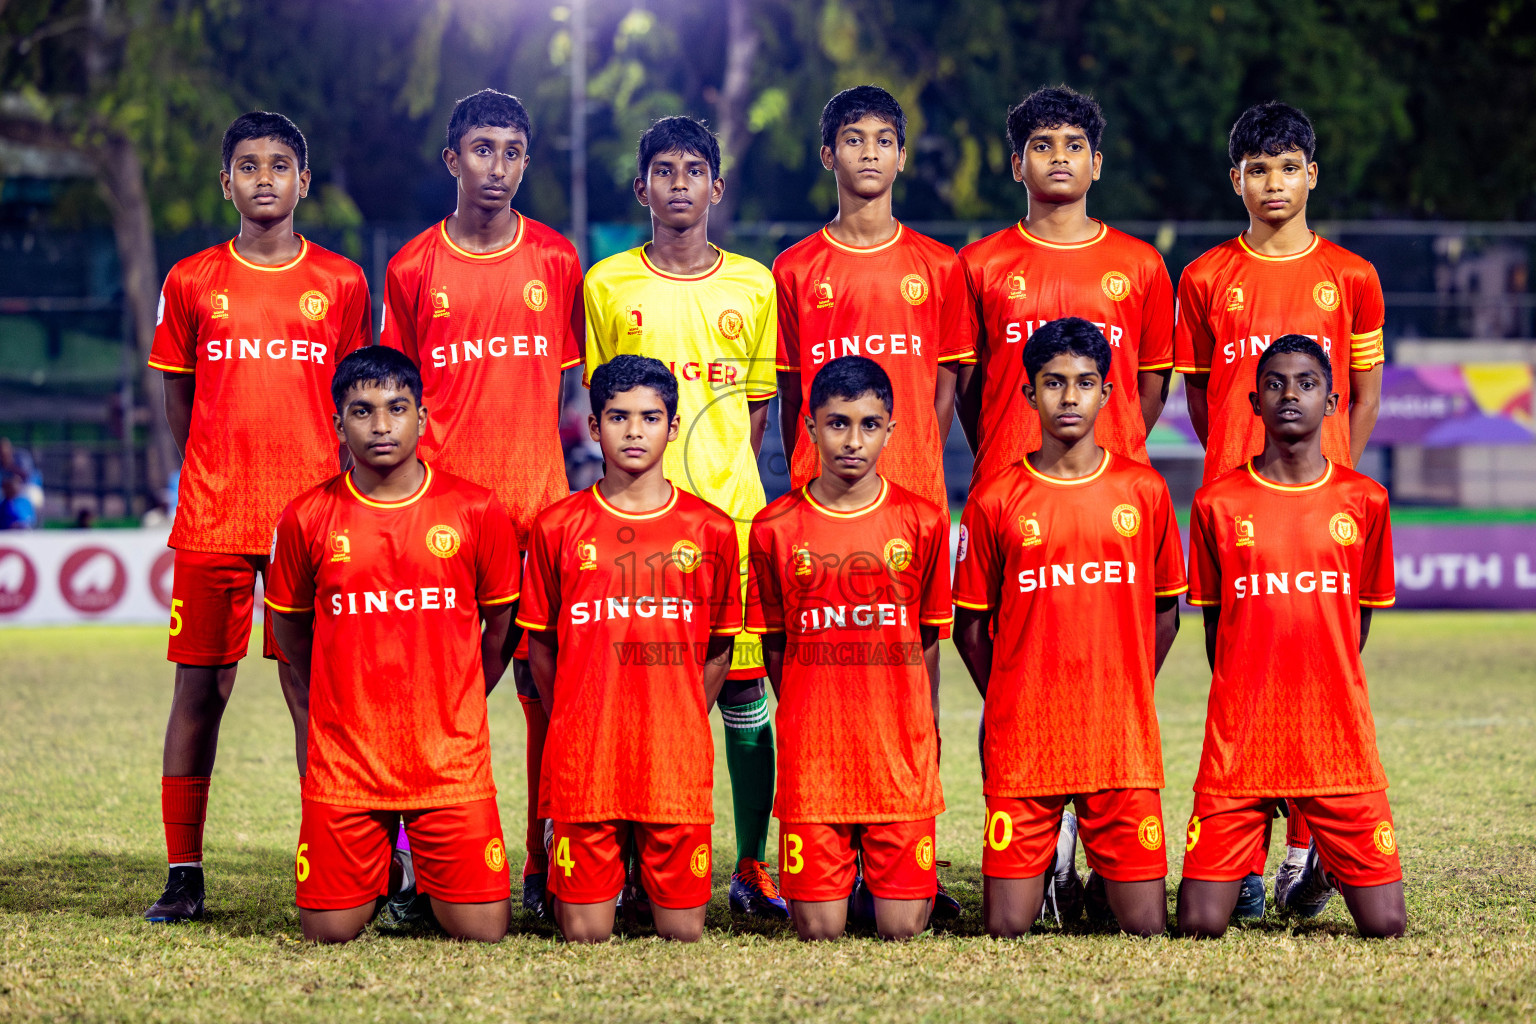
{"type": "Point", "coordinates": [850, 587]}
{"type": "Point", "coordinates": [1067, 580]}
{"type": "Point", "coordinates": [488, 304]}
{"type": "Point", "coordinates": [868, 285]}
{"type": "Point", "coordinates": [633, 600]}
{"type": "Point", "coordinates": [1288, 556]}
{"type": "Point", "coordinates": [709, 315]}
{"type": "Point", "coordinates": [1059, 262]}
{"type": "Point", "coordinates": [380, 580]}
{"type": "Point", "coordinates": [257, 322]}
{"type": "Point", "coordinates": [1278, 277]}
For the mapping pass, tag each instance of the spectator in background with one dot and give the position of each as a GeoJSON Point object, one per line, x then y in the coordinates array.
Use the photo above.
{"type": "Point", "coordinates": [16, 511]}
{"type": "Point", "coordinates": [19, 462]}
{"type": "Point", "coordinates": [85, 519]}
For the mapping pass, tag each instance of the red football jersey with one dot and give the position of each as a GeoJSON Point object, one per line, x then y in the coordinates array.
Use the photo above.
{"type": "Point", "coordinates": [396, 685]}
{"type": "Point", "coordinates": [1018, 282]}
{"type": "Point", "coordinates": [491, 333]}
{"type": "Point", "coordinates": [1233, 302]}
{"type": "Point", "coordinates": [901, 303]}
{"type": "Point", "coordinates": [259, 339]}
{"type": "Point", "coordinates": [1290, 567]}
{"type": "Point", "coordinates": [856, 738]}
{"type": "Point", "coordinates": [1072, 570]}
{"type": "Point", "coordinates": [634, 599]}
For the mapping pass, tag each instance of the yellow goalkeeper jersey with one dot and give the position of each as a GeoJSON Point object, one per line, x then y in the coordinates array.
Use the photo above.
{"type": "Point", "coordinates": [716, 331]}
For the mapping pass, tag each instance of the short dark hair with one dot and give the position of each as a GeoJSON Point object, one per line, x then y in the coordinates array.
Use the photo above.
{"type": "Point", "coordinates": [375, 364]}
{"type": "Point", "coordinates": [1299, 344]}
{"type": "Point", "coordinates": [850, 378]}
{"type": "Point", "coordinates": [853, 105]}
{"type": "Point", "coordinates": [1071, 335]}
{"type": "Point", "coordinates": [679, 134]}
{"type": "Point", "coordinates": [627, 372]}
{"type": "Point", "coordinates": [491, 109]}
{"type": "Point", "coordinates": [1055, 107]}
{"type": "Point", "coordinates": [1271, 129]}
{"type": "Point", "coordinates": [263, 124]}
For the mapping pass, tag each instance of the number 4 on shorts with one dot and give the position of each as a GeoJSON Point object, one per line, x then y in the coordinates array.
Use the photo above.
{"type": "Point", "coordinates": [563, 858]}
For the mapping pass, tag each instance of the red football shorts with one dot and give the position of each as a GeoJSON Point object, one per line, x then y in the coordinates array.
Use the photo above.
{"type": "Point", "coordinates": [212, 603]}
{"type": "Point", "coordinates": [817, 862]}
{"type": "Point", "coordinates": [1121, 830]}
{"type": "Point", "coordinates": [586, 863]}
{"type": "Point", "coordinates": [1353, 833]}
{"type": "Point", "coordinates": [344, 854]}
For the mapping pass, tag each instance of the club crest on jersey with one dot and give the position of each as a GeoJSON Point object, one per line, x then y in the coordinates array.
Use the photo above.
{"type": "Point", "coordinates": [1384, 838]}
{"type": "Point", "coordinates": [963, 544]}
{"type": "Point", "coordinates": [439, 302]}
{"type": "Point", "coordinates": [340, 544]}
{"type": "Point", "coordinates": [1235, 298]}
{"type": "Point", "coordinates": [898, 554]}
{"type": "Point", "coordinates": [1126, 519]}
{"type": "Point", "coordinates": [686, 555]}
{"type": "Point", "coordinates": [1150, 832]}
{"type": "Point", "coordinates": [924, 853]}
{"type": "Point", "coordinates": [914, 289]}
{"type": "Point", "coordinates": [586, 555]}
{"type": "Point", "coordinates": [823, 292]}
{"type": "Point", "coordinates": [698, 863]}
{"type": "Point", "coordinates": [1116, 285]}
{"type": "Point", "coordinates": [1030, 527]}
{"type": "Point", "coordinates": [495, 855]}
{"type": "Point", "coordinates": [313, 304]}
{"type": "Point", "coordinates": [801, 558]}
{"type": "Point", "coordinates": [219, 300]}
{"type": "Point", "coordinates": [731, 324]}
{"type": "Point", "coordinates": [1342, 528]}
{"type": "Point", "coordinates": [636, 321]}
{"type": "Point", "coordinates": [1192, 836]}
{"type": "Point", "coordinates": [1016, 287]}
{"type": "Point", "coordinates": [1244, 531]}
{"type": "Point", "coordinates": [443, 541]}
{"type": "Point", "coordinates": [1326, 295]}
{"type": "Point", "coordinates": [536, 295]}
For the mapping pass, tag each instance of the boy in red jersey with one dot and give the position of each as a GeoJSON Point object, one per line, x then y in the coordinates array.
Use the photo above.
{"type": "Point", "coordinates": [1067, 582]}
{"type": "Point", "coordinates": [488, 303]}
{"type": "Point", "coordinates": [850, 587]}
{"type": "Point", "coordinates": [868, 285]}
{"type": "Point", "coordinates": [1058, 262]}
{"type": "Point", "coordinates": [632, 603]}
{"type": "Point", "coordinates": [260, 319]}
{"type": "Point", "coordinates": [1288, 555]}
{"type": "Point", "coordinates": [380, 580]}
{"type": "Point", "coordinates": [1277, 278]}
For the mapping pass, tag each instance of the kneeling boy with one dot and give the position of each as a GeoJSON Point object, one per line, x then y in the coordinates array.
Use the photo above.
{"type": "Point", "coordinates": [1288, 554]}
{"type": "Point", "coordinates": [1067, 581]}
{"type": "Point", "coordinates": [381, 579]}
{"type": "Point", "coordinates": [849, 585]}
{"type": "Point", "coordinates": [632, 602]}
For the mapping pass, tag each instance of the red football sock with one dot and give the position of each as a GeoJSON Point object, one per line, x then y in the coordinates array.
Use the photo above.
{"type": "Point", "coordinates": [538, 728]}
{"type": "Point", "coordinates": [1296, 831]}
{"type": "Point", "coordinates": [183, 809]}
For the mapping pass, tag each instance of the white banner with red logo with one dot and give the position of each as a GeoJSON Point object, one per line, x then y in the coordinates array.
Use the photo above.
{"type": "Point", "coordinates": [50, 577]}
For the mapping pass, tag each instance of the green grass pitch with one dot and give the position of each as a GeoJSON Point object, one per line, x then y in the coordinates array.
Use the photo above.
{"type": "Point", "coordinates": [81, 856]}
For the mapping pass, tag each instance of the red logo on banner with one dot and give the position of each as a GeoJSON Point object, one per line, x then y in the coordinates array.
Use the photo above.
{"type": "Point", "coordinates": [18, 581]}
{"type": "Point", "coordinates": [160, 576]}
{"type": "Point", "coordinates": [92, 580]}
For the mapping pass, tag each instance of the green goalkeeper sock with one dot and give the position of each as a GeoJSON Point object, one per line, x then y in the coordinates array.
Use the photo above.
{"type": "Point", "coordinates": [749, 759]}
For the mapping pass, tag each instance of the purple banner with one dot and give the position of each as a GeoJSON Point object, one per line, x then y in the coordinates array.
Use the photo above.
{"type": "Point", "coordinates": [1444, 406]}
{"type": "Point", "coordinates": [1466, 566]}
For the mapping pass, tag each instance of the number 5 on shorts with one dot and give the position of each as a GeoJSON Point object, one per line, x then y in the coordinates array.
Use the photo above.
{"type": "Point", "coordinates": [176, 620]}
{"type": "Point", "coordinates": [563, 857]}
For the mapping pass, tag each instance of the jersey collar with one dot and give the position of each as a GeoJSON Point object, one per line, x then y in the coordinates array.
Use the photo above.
{"type": "Point", "coordinates": [1098, 237]}
{"type": "Point", "coordinates": [426, 485]}
{"type": "Point", "coordinates": [864, 250]}
{"type": "Point", "coordinates": [459, 250]}
{"type": "Point", "coordinates": [719, 262]}
{"type": "Point", "coordinates": [303, 251]}
{"type": "Point", "coordinates": [885, 490]}
{"type": "Point", "coordinates": [1311, 247]}
{"type": "Point", "coordinates": [1063, 482]}
{"type": "Point", "coordinates": [1289, 488]}
{"type": "Point", "coordinates": [655, 513]}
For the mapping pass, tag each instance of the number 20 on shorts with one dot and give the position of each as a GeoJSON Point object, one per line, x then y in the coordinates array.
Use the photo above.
{"type": "Point", "coordinates": [1000, 830]}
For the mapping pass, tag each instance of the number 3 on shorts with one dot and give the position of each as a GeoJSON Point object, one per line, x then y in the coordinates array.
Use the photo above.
{"type": "Point", "coordinates": [793, 862]}
{"type": "Point", "coordinates": [563, 857]}
{"type": "Point", "coordinates": [300, 863]}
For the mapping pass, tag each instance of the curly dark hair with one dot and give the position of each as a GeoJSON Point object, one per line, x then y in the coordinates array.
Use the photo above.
{"type": "Point", "coordinates": [1271, 129]}
{"type": "Point", "coordinates": [1055, 107]}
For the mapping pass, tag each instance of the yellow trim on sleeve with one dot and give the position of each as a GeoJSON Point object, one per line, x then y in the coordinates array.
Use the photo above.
{"type": "Point", "coordinates": [950, 621]}
{"type": "Point", "coordinates": [1202, 602]}
{"type": "Point", "coordinates": [1384, 602]}
{"type": "Point", "coordinates": [959, 357]}
{"type": "Point", "coordinates": [284, 608]}
{"type": "Point", "coordinates": [1175, 592]}
{"type": "Point", "coordinates": [537, 627]}
{"type": "Point", "coordinates": [973, 607]}
{"type": "Point", "coordinates": [1191, 369]}
{"type": "Point", "coordinates": [764, 631]}
{"type": "Point", "coordinates": [1368, 366]}
{"type": "Point", "coordinates": [1157, 366]}
{"type": "Point", "coordinates": [571, 362]}
{"type": "Point", "coordinates": [786, 369]}
{"type": "Point", "coordinates": [727, 632]}
{"type": "Point", "coordinates": [761, 396]}
{"type": "Point", "coordinates": [171, 369]}
{"type": "Point", "coordinates": [503, 600]}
